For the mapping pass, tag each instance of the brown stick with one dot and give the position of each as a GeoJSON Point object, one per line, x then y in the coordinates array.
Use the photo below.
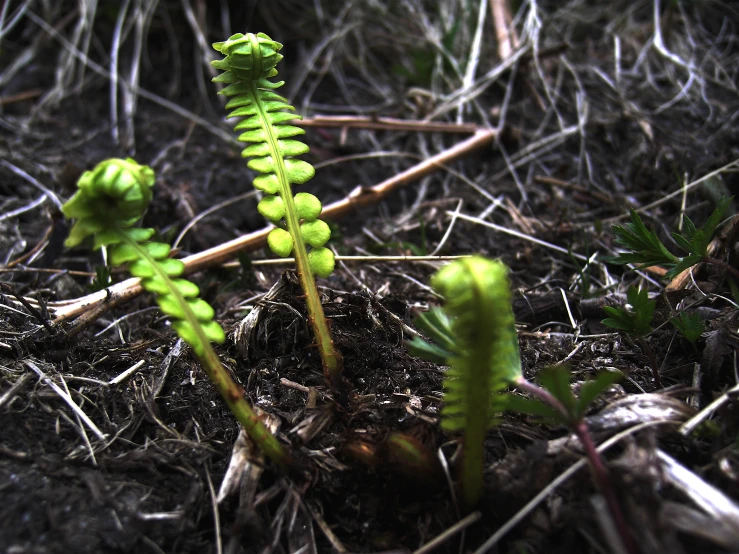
{"type": "Point", "coordinates": [359, 197]}
{"type": "Point", "coordinates": [386, 124]}
{"type": "Point", "coordinates": [504, 32]}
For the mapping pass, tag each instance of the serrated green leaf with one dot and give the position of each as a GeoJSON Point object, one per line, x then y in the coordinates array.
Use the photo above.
{"type": "Point", "coordinates": [690, 325]}
{"type": "Point", "coordinates": [618, 324]}
{"type": "Point", "coordinates": [682, 242]}
{"type": "Point", "coordinates": [421, 349]}
{"type": "Point", "coordinates": [556, 380]}
{"type": "Point", "coordinates": [436, 325]}
{"type": "Point", "coordinates": [590, 390]}
{"type": "Point", "coordinates": [636, 321]}
{"type": "Point", "coordinates": [644, 246]}
{"type": "Point", "coordinates": [532, 407]}
{"type": "Point", "coordinates": [682, 265]}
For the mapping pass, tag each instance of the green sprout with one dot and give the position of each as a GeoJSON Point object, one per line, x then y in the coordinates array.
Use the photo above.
{"type": "Point", "coordinates": [645, 249]}
{"type": "Point", "coordinates": [248, 65]}
{"type": "Point", "coordinates": [690, 326]}
{"type": "Point", "coordinates": [475, 334]}
{"type": "Point", "coordinates": [635, 320]}
{"type": "Point", "coordinates": [477, 337]}
{"type": "Point", "coordinates": [110, 199]}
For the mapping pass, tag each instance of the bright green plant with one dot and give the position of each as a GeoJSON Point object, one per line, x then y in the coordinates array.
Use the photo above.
{"type": "Point", "coordinates": [636, 321]}
{"type": "Point", "coordinates": [475, 334]}
{"type": "Point", "coordinates": [109, 201]}
{"type": "Point", "coordinates": [690, 326]}
{"type": "Point", "coordinates": [477, 338]}
{"type": "Point", "coordinates": [248, 65]}
{"type": "Point", "coordinates": [645, 249]}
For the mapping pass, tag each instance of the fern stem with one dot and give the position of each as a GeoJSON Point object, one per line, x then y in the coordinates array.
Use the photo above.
{"type": "Point", "coordinates": [475, 429]}
{"type": "Point", "coordinates": [477, 390]}
{"type": "Point", "coordinates": [331, 359]}
{"type": "Point", "coordinates": [232, 392]}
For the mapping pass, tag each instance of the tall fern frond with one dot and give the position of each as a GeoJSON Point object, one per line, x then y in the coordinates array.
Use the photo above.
{"type": "Point", "coordinates": [486, 360]}
{"type": "Point", "coordinates": [248, 65]}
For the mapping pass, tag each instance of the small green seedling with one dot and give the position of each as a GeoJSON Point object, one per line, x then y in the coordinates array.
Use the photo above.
{"type": "Point", "coordinates": [645, 249]}
{"type": "Point", "coordinates": [636, 320]}
{"type": "Point", "coordinates": [475, 334]}
{"type": "Point", "coordinates": [248, 65]}
{"type": "Point", "coordinates": [110, 200]}
{"type": "Point", "coordinates": [690, 326]}
{"type": "Point", "coordinates": [556, 381]}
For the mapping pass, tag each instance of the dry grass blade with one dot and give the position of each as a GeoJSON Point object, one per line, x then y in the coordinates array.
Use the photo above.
{"type": "Point", "coordinates": [68, 400]}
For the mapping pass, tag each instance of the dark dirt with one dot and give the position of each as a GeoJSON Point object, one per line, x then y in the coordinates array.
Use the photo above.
{"type": "Point", "coordinates": [583, 143]}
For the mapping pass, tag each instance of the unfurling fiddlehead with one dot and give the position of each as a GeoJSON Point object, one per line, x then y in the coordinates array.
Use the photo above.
{"type": "Point", "coordinates": [477, 337]}
{"type": "Point", "coordinates": [249, 62]}
{"type": "Point", "coordinates": [110, 199]}
{"type": "Point", "coordinates": [475, 334]}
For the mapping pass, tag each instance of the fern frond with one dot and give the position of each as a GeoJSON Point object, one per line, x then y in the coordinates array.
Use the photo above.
{"type": "Point", "coordinates": [485, 356]}
{"type": "Point", "coordinates": [248, 64]}
{"type": "Point", "coordinates": [478, 302]}
{"type": "Point", "coordinates": [110, 199]}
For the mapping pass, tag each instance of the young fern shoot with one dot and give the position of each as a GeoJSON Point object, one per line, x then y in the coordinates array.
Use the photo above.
{"type": "Point", "coordinates": [110, 199]}
{"type": "Point", "coordinates": [248, 64]}
{"type": "Point", "coordinates": [478, 336]}
{"type": "Point", "coordinates": [475, 335]}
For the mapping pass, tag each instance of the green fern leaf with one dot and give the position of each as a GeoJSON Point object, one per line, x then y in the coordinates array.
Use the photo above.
{"type": "Point", "coordinates": [110, 199]}
{"type": "Point", "coordinates": [248, 64]}
{"type": "Point", "coordinates": [484, 359]}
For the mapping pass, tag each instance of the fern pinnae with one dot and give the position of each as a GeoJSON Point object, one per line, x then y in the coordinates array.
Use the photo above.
{"type": "Point", "coordinates": [248, 65]}
{"type": "Point", "coordinates": [110, 199]}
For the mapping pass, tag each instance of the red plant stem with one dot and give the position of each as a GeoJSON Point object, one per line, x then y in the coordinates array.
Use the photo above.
{"type": "Point", "coordinates": [600, 473]}
{"type": "Point", "coordinates": [542, 394]}
{"type": "Point", "coordinates": [722, 264]}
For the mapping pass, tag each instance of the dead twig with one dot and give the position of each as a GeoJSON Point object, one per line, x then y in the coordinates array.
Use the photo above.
{"type": "Point", "coordinates": [358, 198]}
